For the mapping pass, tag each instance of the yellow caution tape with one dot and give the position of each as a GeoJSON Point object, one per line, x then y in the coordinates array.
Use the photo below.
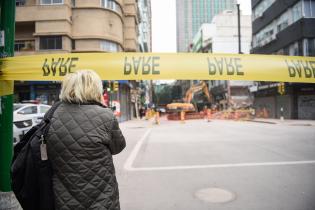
{"type": "Point", "coordinates": [161, 66]}
{"type": "Point", "coordinates": [6, 88]}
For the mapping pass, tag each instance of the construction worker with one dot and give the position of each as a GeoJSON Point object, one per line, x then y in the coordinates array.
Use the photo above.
{"type": "Point", "coordinates": [157, 117]}
{"type": "Point", "coordinates": [209, 114]}
{"type": "Point", "coordinates": [182, 116]}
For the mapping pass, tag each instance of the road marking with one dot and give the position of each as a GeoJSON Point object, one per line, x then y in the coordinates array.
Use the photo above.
{"type": "Point", "coordinates": [232, 165]}
{"type": "Point", "coordinates": [129, 162]}
{"type": "Point", "coordinates": [133, 154]}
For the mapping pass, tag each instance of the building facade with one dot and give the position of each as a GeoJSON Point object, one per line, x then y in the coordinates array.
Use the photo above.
{"type": "Point", "coordinates": [190, 14]}
{"type": "Point", "coordinates": [145, 45]}
{"type": "Point", "coordinates": [145, 26]}
{"type": "Point", "coordinates": [221, 36]}
{"type": "Point", "coordinates": [72, 26]}
{"type": "Point", "coordinates": [284, 27]}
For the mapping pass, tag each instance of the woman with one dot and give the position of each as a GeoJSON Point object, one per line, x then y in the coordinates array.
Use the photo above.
{"type": "Point", "coordinates": [81, 140]}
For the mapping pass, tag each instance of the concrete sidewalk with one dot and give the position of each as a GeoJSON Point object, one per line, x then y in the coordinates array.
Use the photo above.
{"type": "Point", "coordinates": [285, 122]}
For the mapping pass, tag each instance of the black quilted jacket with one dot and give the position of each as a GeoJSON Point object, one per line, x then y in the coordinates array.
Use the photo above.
{"type": "Point", "coordinates": [80, 144]}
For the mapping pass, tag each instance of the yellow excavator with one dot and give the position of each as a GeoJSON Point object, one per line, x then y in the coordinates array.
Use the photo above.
{"type": "Point", "coordinates": [187, 106]}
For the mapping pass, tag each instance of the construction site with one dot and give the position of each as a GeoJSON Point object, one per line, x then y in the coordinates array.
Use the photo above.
{"type": "Point", "coordinates": [196, 101]}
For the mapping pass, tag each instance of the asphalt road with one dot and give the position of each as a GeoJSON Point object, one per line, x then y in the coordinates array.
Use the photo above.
{"type": "Point", "coordinates": [259, 166]}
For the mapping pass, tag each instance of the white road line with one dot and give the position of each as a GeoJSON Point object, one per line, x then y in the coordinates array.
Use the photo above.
{"type": "Point", "coordinates": [133, 154]}
{"type": "Point", "coordinates": [232, 165]}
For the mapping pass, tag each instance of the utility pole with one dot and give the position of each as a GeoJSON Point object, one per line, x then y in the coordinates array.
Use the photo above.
{"type": "Point", "coordinates": [239, 29]}
{"type": "Point", "coordinates": [7, 23]}
{"type": "Point", "coordinates": [239, 51]}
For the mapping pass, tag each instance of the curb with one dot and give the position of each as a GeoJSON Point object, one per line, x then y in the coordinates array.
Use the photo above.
{"type": "Point", "coordinates": [283, 123]}
{"type": "Point", "coordinates": [258, 121]}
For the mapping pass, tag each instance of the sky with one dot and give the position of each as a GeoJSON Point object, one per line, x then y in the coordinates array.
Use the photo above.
{"type": "Point", "coordinates": [164, 23]}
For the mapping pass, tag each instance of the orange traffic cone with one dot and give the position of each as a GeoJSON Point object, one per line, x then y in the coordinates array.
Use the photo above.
{"type": "Point", "coordinates": [182, 117]}
{"type": "Point", "coordinates": [157, 118]}
{"type": "Point", "coordinates": [209, 115]}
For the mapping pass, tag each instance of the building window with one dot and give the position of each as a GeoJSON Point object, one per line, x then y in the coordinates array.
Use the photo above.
{"type": "Point", "coordinates": [112, 5]}
{"type": "Point", "coordinates": [283, 21]}
{"type": "Point", "coordinates": [268, 33]}
{"type": "Point", "coordinates": [50, 2]}
{"type": "Point", "coordinates": [18, 46]}
{"type": "Point", "coordinates": [73, 3]}
{"type": "Point", "coordinates": [296, 49]}
{"type": "Point", "coordinates": [73, 44]}
{"type": "Point", "coordinates": [309, 47]}
{"type": "Point", "coordinates": [297, 12]}
{"type": "Point", "coordinates": [19, 3]}
{"type": "Point", "coordinates": [50, 43]}
{"type": "Point", "coordinates": [28, 45]}
{"type": "Point", "coordinates": [309, 8]}
{"type": "Point", "coordinates": [261, 8]}
{"type": "Point", "coordinates": [109, 46]}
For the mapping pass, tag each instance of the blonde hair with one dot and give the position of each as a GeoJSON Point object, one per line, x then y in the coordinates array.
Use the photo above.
{"type": "Point", "coordinates": [82, 86]}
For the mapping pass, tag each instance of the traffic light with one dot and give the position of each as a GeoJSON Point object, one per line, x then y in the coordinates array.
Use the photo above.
{"type": "Point", "coordinates": [108, 86]}
{"type": "Point", "coordinates": [116, 86]}
{"type": "Point", "coordinates": [281, 88]}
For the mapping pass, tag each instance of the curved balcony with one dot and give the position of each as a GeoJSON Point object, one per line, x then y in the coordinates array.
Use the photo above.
{"type": "Point", "coordinates": [43, 12]}
{"type": "Point", "coordinates": [97, 23]}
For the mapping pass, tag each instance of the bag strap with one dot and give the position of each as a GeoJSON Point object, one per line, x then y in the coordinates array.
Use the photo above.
{"type": "Point", "coordinates": [49, 115]}
{"type": "Point", "coordinates": [51, 111]}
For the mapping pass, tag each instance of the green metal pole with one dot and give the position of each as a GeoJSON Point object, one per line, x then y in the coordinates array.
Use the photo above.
{"type": "Point", "coordinates": [7, 23]}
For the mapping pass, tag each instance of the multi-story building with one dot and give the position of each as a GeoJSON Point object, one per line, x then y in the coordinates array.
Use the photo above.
{"type": "Point", "coordinates": [71, 26]}
{"type": "Point", "coordinates": [145, 26]}
{"type": "Point", "coordinates": [192, 13]}
{"type": "Point", "coordinates": [284, 27]}
{"type": "Point", "coordinates": [221, 36]}
{"type": "Point", "coordinates": [145, 45]}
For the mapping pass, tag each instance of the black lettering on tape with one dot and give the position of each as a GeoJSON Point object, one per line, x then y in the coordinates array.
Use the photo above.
{"type": "Point", "coordinates": [45, 68]}
{"type": "Point", "coordinates": [136, 64]}
{"type": "Point", "coordinates": [229, 66]}
{"type": "Point", "coordinates": [211, 67]}
{"type": "Point", "coordinates": [298, 68]}
{"type": "Point", "coordinates": [312, 64]}
{"type": "Point", "coordinates": [219, 64]}
{"type": "Point", "coordinates": [54, 65]}
{"type": "Point", "coordinates": [291, 69]}
{"type": "Point", "coordinates": [238, 67]}
{"type": "Point", "coordinates": [127, 67]}
{"type": "Point", "coordinates": [307, 69]}
{"type": "Point", "coordinates": [155, 63]}
{"type": "Point", "coordinates": [63, 67]}
{"type": "Point", "coordinates": [146, 68]}
{"type": "Point", "coordinates": [72, 64]}
{"type": "Point", "coordinates": [142, 65]}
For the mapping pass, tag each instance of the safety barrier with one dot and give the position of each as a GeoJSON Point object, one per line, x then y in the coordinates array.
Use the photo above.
{"type": "Point", "coordinates": [160, 66]}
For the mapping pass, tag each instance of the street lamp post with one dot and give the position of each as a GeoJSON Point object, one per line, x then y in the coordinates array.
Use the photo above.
{"type": "Point", "coordinates": [239, 29]}
{"type": "Point", "coordinates": [7, 23]}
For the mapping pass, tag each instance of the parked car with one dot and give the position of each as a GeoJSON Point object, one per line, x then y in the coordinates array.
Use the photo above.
{"type": "Point", "coordinates": [25, 116]}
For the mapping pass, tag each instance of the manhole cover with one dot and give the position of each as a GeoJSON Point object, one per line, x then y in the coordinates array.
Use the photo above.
{"type": "Point", "coordinates": [215, 195]}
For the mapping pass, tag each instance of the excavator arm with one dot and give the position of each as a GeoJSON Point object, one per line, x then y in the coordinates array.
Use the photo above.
{"type": "Point", "coordinates": [187, 105]}
{"type": "Point", "coordinates": [196, 88]}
